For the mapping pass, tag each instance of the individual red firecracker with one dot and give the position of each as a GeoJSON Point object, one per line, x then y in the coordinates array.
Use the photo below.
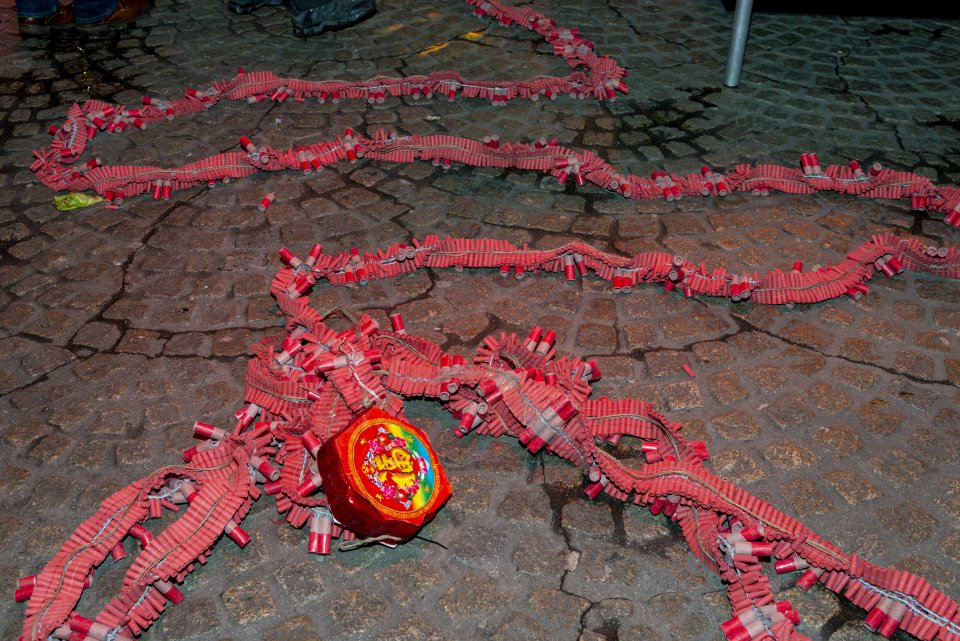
{"type": "Point", "coordinates": [167, 189]}
{"type": "Point", "coordinates": [450, 89]}
{"type": "Point", "coordinates": [875, 169]}
{"type": "Point", "coordinates": [919, 202]}
{"type": "Point", "coordinates": [98, 119]}
{"type": "Point", "coordinates": [857, 171]}
{"type": "Point", "coordinates": [266, 202]}
{"type": "Point", "coordinates": [490, 390]}
{"type": "Point", "coordinates": [287, 257]}
{"type": "Point", "coordinates": [169, 591]}
{"type": "Point", "coordinates": [248, 145]}
{"type": "Point", "coordinates": [953, 216]}
{"type": "Point", "coordinates": [752, 532]}
{"type": "Point", "coordinates": [652, 451]}
{"type": "Point", "coordinates": [25, 587]}
{"type": "Point", "coordinates": [91, 629]}
{"type": "Point", "coordinates": [670, 506]}
{"type": "Point", "coordinates": [245, 417]}
{"type": "Point", "coordinates": [468, 421]}
{"type": "Point", "coordinates": [815, 169]}
{"type": "Point", "coordinates": [311, 443]}
{"type": "Point", "coordinates": [591, 371]}
{"type": "Point", "coordinates": [594, 489]}
{"type": "Point", "coordinates": [579, 177]}
{"type": "Point", "coordinates": [546, 343]}
{"type": "Point", "coordinates": [311, 485]}
{"type": "Point", "coordinates": [791, 564]}
{"type": "Point", "coordinates": [809, 578]}
{"type": "Point", "coordinates": [315, 162]}
{"type": "Point", "coordinates": [700, 449]}
{"type": "Point", "coordinates": [321, 532]}
{"type": "Point", "coordinates": [396, 322]}
{"type": "Point", "coordinates": [117, 553]}
{"type": "Point", "coordinates": [205, 431]}
{"type": "Point", "coordinates": [569, 269]}
{"type": "Point", "coordinates": [382, 477]}
{"type": "Point", "coordinates": [263, 466]}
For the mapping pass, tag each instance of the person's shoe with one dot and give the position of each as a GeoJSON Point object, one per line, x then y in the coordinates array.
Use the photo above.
{"type": "Point", "coordinates": [126, 11]}
{"type": "Point", "coordinates": [330, 16]}
{"type": "Point", "coordinates": [243, 7]}
{"type": "Point", "coordinates": [61, 19]}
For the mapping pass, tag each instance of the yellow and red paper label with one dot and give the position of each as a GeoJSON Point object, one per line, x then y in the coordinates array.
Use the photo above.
{"type": "Point", "coordinates": [382, 476]}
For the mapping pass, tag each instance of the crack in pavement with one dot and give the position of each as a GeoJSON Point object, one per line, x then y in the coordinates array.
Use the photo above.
{"type": "Point", "coordinates": [889, 370]}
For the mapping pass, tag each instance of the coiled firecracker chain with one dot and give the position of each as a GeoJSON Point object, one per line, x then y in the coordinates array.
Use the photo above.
{"type": "Point", "coordinates": [302, 390]}
{"type": "Point", "coordinates": [59, 168]}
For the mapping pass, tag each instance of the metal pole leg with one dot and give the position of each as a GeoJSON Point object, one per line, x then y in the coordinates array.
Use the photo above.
{"type": "Point", "coordinates": [738, 42]}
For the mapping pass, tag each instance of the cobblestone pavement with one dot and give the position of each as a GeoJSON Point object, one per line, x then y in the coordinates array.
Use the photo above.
{"type": "Point", "coordinates": [122, 327]}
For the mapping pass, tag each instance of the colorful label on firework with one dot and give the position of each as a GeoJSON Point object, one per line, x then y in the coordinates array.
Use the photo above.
{"type": "Point", "coordinates": [382, 477]}
{"type": "Point", "coordinates": [392, 467]}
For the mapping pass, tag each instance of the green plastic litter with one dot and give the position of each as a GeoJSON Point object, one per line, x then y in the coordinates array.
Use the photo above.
{"type": "Point", "coordinates": [75, 200]}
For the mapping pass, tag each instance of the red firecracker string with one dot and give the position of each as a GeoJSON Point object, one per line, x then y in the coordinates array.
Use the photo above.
{"type": "Point", "coordinates": [884, 253]}
{"type": "Point", "coordinates": [599, 77]}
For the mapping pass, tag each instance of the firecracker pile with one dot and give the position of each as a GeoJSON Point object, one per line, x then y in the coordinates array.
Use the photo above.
{"type": "Point", "coordinates": [303, 391]}
{"type": "Point", "coordinates": [311, 395]}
